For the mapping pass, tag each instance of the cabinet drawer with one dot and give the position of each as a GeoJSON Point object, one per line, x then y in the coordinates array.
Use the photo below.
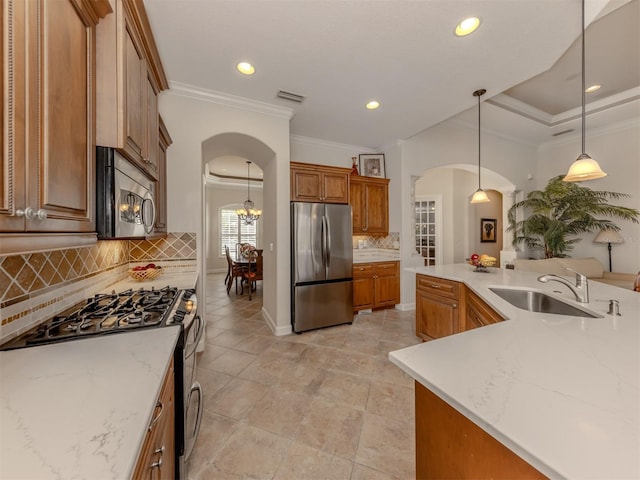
{"type": "Point", "coordinates": [386, 268]}
{"type": "Point", "coordinates": [438, 286]}
{"type": "Point", "coordinates": [361, 270]}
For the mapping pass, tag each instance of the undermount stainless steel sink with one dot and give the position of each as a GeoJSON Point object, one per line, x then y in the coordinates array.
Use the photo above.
{"type": "Point", "coordinates": [536, 301]}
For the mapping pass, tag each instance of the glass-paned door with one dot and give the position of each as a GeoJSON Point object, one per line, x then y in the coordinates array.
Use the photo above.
{"type": "Point", "coordinates": [426, 230]}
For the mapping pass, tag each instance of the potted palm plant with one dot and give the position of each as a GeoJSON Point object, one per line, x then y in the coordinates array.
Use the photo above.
{"type": "Point", "coordinates": [560, 212]}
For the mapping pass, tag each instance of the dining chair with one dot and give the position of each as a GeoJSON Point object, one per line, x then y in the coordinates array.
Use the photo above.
{"type": "Point", "coordinates": [235, 271]}
{"type": "Point", "coordinates": [253, 274]}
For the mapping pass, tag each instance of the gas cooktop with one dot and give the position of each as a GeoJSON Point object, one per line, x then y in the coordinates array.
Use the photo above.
{"type": "Point", "coordinates": [108, 313]}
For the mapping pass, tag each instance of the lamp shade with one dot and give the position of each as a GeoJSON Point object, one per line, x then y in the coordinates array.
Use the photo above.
{"type": "Point", "coordinates": [480, 196]}
{"type": "Point", "coordinates": [608, 236]}
{"type": "Point", "coordinates": [584, 168]}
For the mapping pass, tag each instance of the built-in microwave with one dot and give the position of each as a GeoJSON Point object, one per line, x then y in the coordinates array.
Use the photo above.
{"type": "Point", "coordinates": [125, 197]}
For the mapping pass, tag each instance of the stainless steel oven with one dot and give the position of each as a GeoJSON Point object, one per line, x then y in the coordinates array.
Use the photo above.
{"type": "Point", "coordinates": [124, 197]}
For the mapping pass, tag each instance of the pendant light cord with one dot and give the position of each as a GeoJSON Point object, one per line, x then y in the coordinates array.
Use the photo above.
{"type": "Point", "coordinates": [584, 86]}
{"type": "Point", "coordinates": [479, 141]}
{"type": "Point", "coordinates": [248, 174]}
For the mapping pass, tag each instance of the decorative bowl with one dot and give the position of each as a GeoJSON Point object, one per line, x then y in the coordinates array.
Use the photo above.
{"type": "Point", "coordinates": [142, 275]}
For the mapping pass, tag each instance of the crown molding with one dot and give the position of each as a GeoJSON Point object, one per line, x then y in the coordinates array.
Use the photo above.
{"type": "Point", "coordinates": [326, 143]}
{"type": "Point", "coordinates": [227, 100]}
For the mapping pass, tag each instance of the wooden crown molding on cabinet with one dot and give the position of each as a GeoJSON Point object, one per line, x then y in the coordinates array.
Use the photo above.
{"type": "Point", "coordinates": [93, 10]}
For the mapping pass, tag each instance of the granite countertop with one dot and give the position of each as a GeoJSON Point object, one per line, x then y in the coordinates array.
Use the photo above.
{"type": "Point", "coordinates": [367, 255]}
{"type": "Point", "coordinates": [560, 391]}
{"type": "Point", "coordinates": [80, 409]}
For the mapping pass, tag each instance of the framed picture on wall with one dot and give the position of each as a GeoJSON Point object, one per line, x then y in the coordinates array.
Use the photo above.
{"type": "Point", "coordinates": [488, 229]}
{"type": "Point", "coordinates": [372, 165]}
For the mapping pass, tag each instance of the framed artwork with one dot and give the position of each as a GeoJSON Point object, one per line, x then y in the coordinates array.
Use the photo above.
{"type": "Point", "coordinates": [488, 229]}
{"type": "Point", "coordinates": [372, 165]}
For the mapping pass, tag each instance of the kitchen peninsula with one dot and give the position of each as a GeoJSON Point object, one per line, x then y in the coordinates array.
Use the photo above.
{"type": "Point", "coordinates": [559, 391]}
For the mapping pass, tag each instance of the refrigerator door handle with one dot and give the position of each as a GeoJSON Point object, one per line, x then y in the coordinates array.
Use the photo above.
{"type": "Point", "coordinates": [324, 244]}
{"type": "Point", "coordinates": [328, 243]}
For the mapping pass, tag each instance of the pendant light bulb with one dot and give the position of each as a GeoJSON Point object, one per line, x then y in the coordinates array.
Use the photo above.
{"type": "Point", "coordinates": [479, 196]}
{"type": "Point", "coordinates": [585, 167]}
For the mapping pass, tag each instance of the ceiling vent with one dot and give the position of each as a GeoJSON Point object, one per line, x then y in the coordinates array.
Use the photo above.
{"type": "Point", "coordinates": [292, 97]}
{"type": "Point", "coordinates": [563, 132]}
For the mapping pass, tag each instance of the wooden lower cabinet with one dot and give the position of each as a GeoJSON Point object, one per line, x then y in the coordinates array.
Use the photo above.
{"type": "Point", "coordinates": [450, 446]}
{"type": "Point", "coordinates": [376, 285]}
{"type": "Point", "coordinates": [157, 457]}
{"type": "Point", "coordinates": [445, 307]}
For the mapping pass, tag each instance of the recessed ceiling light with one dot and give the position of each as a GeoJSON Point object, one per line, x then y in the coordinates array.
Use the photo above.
{"type": "Point", "coordinates": [592, 88]}
{"type": "Point", "coordinates": [246, 68]}
{"type": "Point", "coordinates": [372, 105]}
{"type": "Point", "coordinates": [467, 26]}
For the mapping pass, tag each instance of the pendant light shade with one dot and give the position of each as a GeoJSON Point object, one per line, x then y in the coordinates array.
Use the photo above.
{"type": "Point", "coordinates": [248, 214]}
{"type": "Point", "coordinates": [585, 167]}
{"type": "Point", "coordinates": [480, 196]}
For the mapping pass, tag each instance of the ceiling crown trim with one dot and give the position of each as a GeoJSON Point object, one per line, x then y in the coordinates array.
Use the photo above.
{"type": "Point", "coordinates": [228, 100]}
{"type": "Point", "coordinates": [299, 139]}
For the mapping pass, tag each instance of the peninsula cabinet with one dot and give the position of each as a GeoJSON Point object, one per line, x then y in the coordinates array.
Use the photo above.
{"type": "Point", "coordinates": [477, 312]}
{"type": "Point", "coordinates": [129, 79]}
{"type": "Point", "coordinates": [48, 75]}
{"type": "Point", "coordinates": [319, 183]}
{"type": "Point", "coordinates": [157, 457]}
{"type": "Point", "coordinates": [376, 285]}
{"type": "Point", "coordinates": [437, 307]}
{"type": "Point", "coordinates": [370, 205]}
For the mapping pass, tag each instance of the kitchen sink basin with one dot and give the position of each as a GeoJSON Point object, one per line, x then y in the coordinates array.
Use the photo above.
{"type": "Point", "coordinates": [536, 301]}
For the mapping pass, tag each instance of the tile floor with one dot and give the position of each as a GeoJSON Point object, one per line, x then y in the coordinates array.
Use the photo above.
{"type": "Point", "coordinates": [325, 405]}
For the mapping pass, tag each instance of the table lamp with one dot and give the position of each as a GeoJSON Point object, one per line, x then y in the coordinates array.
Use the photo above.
{"type": "Point", "coordinates": [609, 236]}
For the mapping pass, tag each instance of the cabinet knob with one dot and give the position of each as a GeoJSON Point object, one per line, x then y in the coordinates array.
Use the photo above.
{"type": "Point", "coordinates": [455, 305]}
{"type": "Point", "coordinates": [30, 214]}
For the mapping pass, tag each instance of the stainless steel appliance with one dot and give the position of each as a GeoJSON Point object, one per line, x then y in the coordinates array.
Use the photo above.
{"type": "Point", "coordinates": [321, 265]}
{"type": "Point", "coordinates": [106, 314]}
{"type": "Point", "coordinates": [125, 203]}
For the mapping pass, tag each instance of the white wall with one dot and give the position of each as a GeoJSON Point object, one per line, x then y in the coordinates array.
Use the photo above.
{"type": "Point", "coordinates": [320, 152]}
{"type": "Point", "coordinates": [216, 197]}
{"type": "Point", "coordinates": [617, 150]}
{"type": "Point", "coordinates": [192, 118]}
{"type": "Point", "coordinates": [493, 209]}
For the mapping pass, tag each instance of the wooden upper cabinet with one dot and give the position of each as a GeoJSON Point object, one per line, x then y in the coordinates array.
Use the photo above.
{"type": "Point", "coordinates": [160, 226]}
{"type": "Point", "coordinates": [319, 183]}
{"type": "Point", "coordinates": [129, 79]}
{"type": "Point", "coordinates": [49, 108]}
{"type": "Point", "coordinates": [370, 205]}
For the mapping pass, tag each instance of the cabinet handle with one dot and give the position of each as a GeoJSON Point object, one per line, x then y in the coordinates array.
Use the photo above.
{"type": "Point", "coordinates": [455, 305]}
{"type": "Point", "coordinates": [434, 286]}
{"type": "Point", "coordinates": [155, 420]}
{"type": "Point", "coordinates": [157, 464]}
{"type": "Point", "coordinates": [30, 214]}
{"type": "Point", "coordinates": [160, 450]}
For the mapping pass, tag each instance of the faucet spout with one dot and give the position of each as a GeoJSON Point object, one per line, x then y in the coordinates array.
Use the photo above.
{"type": "Point", "coordinates": [580, 290]}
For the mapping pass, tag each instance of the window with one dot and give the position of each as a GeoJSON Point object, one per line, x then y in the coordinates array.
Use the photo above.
{"type": "Point", "coordinates": [233, 231]}
{"type": "Point", "coordinates": [428, 226]}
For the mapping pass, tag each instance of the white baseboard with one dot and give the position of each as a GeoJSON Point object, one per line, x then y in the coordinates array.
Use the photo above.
{"type": "Point", "coordinates": [405, 307]}
{"type": "Point", "coordinates": [277, 331]}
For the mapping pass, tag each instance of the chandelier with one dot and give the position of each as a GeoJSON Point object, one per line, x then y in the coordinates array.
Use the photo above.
{"type": "Point", "coordinates": [248, 214]}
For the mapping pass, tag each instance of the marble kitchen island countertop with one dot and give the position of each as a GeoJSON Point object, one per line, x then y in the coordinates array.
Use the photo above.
{"type": "Point", "coordinates": [80, 409]}
{"type": "Point", "coordinates": [562, 392]}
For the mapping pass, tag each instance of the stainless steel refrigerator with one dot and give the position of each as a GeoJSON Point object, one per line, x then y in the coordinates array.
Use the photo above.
{"type": "Point", "coordinates": [321, 265]}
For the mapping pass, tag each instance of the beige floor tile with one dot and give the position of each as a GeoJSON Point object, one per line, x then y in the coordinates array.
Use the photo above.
{"type": "Point", "coordinates": [255, 344]}
{"type": "Point", "coordinates": [332, 427]}
{"type": "Point", "coordinates": [344, 388]}
{"type": "Point", "coordinates": [286, 349]}
{"type": "Point", "coordinates": [229, 338]}
{"type": "Point", "coordinates": [211, 353]}
{"type": "Point", "coordinates": [231, 362]}
{"type": "Point", "coordinates": [354, 362]}
{"type": "Point", "coordinates": [305, 463]}
{"type": "Point", "coordinates": [303, 377]}
{"type": "Point", "coordinates": [237, 398]}
{"type": "Point", "coordinates": [214, 432]}
{"type": "Point", "coordinates": [388, 372]}
{"type": "Point", "coordinates": [280, 412]}
{"type": "Point", "coordinates": [387, 445]}
{"type": "Point", "coordinates": [211, 381]}
{"type": "Point", "coordinates": [360, 472]}
{"type": "Point", "coordinates": [267, 369]}
{"type": "Point", "coordinates": [250, 453]}
{"type": "Point", "coordinates": [367, 344]}
{"type": "Point", "coordinates": [392, 401]}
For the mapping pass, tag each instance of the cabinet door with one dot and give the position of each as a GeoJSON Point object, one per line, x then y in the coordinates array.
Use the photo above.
{"type": "Point", "coordinates": [335, 188]}
{"type": "Point", "coordinates": [61, 117]}
{"type": "Point", "coordinates": [377, 209]}
{"type": "Point", "coordinates": [150, 153]}
{"type": "Point", "coordinates": [356, 197]}
{"type": "Point", "coordinates": [306, 185]}
{"type": "Point", "coordinates": [363, 287]}
{"type": "Point", "coordinates": [478, 313]}
{"type": "Point", "coordinates": [135, 95]}
{"type": "Point", "coordinates": [436, 317]}
{"type": "Point", "coordinates": [12, 169]}
{"type": "Point", "coordinates": [387, 284]}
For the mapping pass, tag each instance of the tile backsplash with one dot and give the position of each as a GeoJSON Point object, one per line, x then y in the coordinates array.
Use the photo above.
{"type": "Point", "coordinates": [388, 242]}
{"type": "Point", "coordinates": [36, 281]}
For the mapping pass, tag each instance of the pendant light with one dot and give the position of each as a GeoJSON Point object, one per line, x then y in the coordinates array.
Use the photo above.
{"type": "Point", "coordinates": [248, 214]}
{"type": "Point", "coordinates": [585, 167]}
{"type": "Point", "coordinates": [479, 196]}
